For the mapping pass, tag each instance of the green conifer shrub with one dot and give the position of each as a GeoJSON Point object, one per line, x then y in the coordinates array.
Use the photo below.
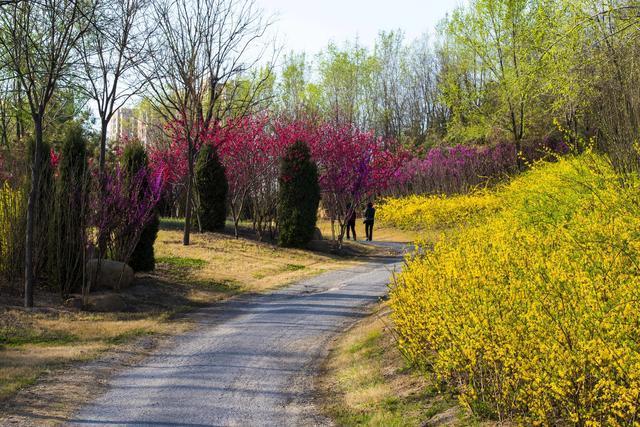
{"type": "Point", "coordinates": [298, 197]}
{"type": "Point", "coordinates": [212, 186]}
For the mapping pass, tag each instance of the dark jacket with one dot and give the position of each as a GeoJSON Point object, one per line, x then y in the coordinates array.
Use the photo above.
{"type": "Point", "coordinates": [352, 218]}
{"type": "Point", "coordinates": [369, 214]}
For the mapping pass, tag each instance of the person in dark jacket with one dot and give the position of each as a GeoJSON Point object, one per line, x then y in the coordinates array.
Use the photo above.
{"type": "Point", "coordinates": [351, 222]}
{"type": "Point", "coordinates": [369, 218]}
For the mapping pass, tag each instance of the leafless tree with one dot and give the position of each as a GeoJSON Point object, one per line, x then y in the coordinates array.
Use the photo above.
{"type": "Point", "coordinates": [111, 53]}
{"type": "Point", "coordinates": [38, 38]}
{"type": "Point", "coordinates": [197, 74]}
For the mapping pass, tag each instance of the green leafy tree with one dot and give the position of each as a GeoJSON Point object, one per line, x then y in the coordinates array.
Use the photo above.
{"type": "Point", "coordinates": [134, 159]}
{"type": "Point", "coordinates": [298, 197]}
{"type": "Point", "coordinates": [347, 84]}
{"type": "Point", "coordinates": [212, 187]}
{"type": "Point", "coordinates": [497, 79]}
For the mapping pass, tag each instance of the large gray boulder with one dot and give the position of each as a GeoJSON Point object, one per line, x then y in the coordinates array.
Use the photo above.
{"type": "Point", "coordinates": [112, 275]}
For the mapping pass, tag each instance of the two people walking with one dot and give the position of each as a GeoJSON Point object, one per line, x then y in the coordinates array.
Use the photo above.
{"type": "Point", "coordinates": [369, 219]}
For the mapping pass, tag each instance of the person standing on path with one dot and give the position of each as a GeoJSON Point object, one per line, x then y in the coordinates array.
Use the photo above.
{"type": "Point", "coordinates": [351, 222]}
{"type": "Point", "coordinates": [369, 218]}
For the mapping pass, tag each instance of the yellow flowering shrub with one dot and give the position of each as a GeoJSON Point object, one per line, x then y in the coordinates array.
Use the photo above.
{"type": "Point", "coordinates": [429, 212]}
{"type": "Point", "coordinates": [12, 203]}
{"type": "Point", "coordinates": [533, 313]}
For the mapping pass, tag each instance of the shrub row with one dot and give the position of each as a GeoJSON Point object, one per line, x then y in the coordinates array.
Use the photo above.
{"type": "Point", "coordinates": [533, 313]}
{"type": "Point", "coordinates": [418, 212]}
{"type": "Point", "coordinates": [462, 168]}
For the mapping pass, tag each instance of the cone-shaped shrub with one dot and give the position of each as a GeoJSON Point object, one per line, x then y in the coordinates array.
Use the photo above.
{"type": "Point", "coordinates": [212, 188]}
{"type": "Point", "coordinates": [298, 196]}
{"type": "Point", "coordinates": [67, 237]}
{"type": "Point", "coordinates": [45, 205]}
{"type": "Point", "coordinates": [134, 159]}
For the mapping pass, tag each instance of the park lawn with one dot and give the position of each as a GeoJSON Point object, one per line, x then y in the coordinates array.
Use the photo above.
{"type": "Point", "coordinates": [34, 343]}
{"type": "Point", "coordinates": [222, 263]}
{"type": "Point", "coordinates": [214, 267]}
{"type": "Point", "coordinates": [367, 382]}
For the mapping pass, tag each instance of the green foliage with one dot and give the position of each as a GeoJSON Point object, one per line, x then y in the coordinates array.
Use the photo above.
{"type": "Point", "coordinates": [12, 226]}
{"type": "Point", "coordinates": [134, 159]}
{"type": "Point", "coordinates": [18, 335]}
{"type": "Point", "coordinates": [67, 235]}
{"type": "Point", "coordinates": [143, 257]}
{"type": "Point", "coordinates": [212, 186]}
{"type": "Point", "coordinates": [180, 262]}
{"type": "Point", "coordinates": [298, 197]}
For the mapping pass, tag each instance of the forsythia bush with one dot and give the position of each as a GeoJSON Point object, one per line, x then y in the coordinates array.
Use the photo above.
{"type": "Point", "coordinates": [429, 212]}
{"type": "Point", "coordinates": [12, 205]}
{"type": "Point", "coordinates": [534, 313]}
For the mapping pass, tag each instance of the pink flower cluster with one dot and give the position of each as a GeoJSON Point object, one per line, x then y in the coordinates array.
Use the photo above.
{"type": "Point", "coordinates": [447, 170]}
{"type": "Point", "coordinates": [121, 207]}
{"type": "Point", "coordinates": [354, 165]}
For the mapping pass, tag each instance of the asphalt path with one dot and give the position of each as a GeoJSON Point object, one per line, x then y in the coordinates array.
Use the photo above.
{"type": "Point", "coordinates": [251, 361]}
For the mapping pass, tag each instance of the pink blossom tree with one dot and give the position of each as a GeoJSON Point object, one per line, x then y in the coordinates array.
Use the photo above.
{"type": "Point", "coordinates": [354, 167]}
{"type": "Point", "coordinates": [250, 153]}
{"type": "Point", "coordinates": [120, 207]}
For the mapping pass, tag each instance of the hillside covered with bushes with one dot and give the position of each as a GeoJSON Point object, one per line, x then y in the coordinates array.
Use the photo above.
{"type": "Point", "coordinates": [529, 307]}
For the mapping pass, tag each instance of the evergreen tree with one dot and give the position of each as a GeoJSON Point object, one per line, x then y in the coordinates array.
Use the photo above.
{"type": "Point", "coordinates": [211, 183]}
{"type": "Point", "coordinates": [134, 159]}
{"type": "Point", "coordinates": [45, 205]}
{"type": "Point", "coordinates": [66, 244]}
{"type": "Point", "coordinates": [298, 197]}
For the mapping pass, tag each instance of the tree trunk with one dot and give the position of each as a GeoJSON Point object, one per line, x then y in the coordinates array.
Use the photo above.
{"type": "Point", "coordinates": [187, 209]}
{"type": "Point", "coordinates": [187, 214]}
{"type": "Point", "coordinates": [31, 215]}
{"type": "Point", "coordinates": [236, 232]}
{"type": "Point", "coordinates": [103, 147]}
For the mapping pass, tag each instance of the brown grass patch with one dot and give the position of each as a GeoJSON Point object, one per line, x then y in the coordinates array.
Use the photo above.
{"type": "Point", "coordinates": [234, 265]}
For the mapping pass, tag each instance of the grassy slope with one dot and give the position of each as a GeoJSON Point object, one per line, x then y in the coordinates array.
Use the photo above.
{"type": "Point", "coordinates": [581, 212]}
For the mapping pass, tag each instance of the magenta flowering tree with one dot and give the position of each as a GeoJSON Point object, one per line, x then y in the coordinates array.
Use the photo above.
{"type": "Point", "coordinates": [458, 169]}
{"type": "Point", "coordinates": [250, 154]}
{"type": "Point", "coordinates": [120, 212]}
{"type": "Point", "coordinates": [354, 166]}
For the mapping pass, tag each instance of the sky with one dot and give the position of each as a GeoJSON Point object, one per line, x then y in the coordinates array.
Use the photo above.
{"type": "Point", "coordinates": [309, 26]}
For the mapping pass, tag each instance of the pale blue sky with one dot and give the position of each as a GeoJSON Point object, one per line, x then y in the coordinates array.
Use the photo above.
{"type": "Point", "coordinates": [309, 25]}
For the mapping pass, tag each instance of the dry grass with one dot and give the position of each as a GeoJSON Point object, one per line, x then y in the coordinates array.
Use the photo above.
{"type": "Point", "coordinates": [34, 343]}
{"type": "Point", "coordinates": [21, 366]}
{"type": "Point", "coordinates": [218, 261]}
{"type": "Point", "coordinates": [368, 383]}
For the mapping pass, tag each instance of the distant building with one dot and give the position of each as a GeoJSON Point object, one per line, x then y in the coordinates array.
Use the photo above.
{"type": "Point", "coordinates": [133, 123]}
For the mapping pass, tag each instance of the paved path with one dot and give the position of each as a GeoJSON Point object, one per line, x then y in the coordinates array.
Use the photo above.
{"type": "Point", "coordinates": [251, 362]}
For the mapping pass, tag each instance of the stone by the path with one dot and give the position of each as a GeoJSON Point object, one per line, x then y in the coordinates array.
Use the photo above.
{"type": "Point", "coordinates": [74, 302]}
{"type": "Point", "coordinates": [113, 274]}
